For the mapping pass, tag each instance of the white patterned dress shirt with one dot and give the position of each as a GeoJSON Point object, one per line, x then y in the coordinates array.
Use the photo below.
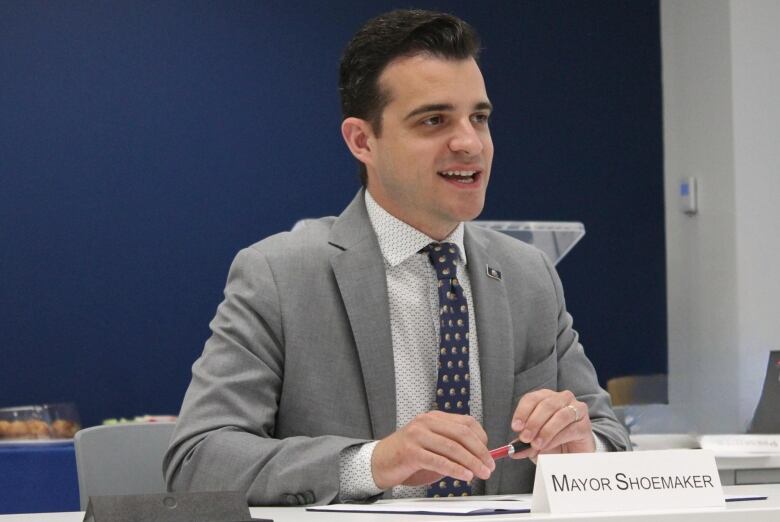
{"type": "Point", "coordinates": [414, 325]}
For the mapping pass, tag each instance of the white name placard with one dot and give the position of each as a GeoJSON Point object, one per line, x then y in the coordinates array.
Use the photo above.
{"type": "Point", "coordinates": [627, 481]}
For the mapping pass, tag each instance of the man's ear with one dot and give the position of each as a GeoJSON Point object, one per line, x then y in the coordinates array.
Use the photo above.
{"type": "Point", "coordinates": [358, 136]}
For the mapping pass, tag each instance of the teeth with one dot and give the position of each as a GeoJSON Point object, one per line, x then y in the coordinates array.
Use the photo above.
{"type": "Point", "coordinates": [461, 176]}
{"type": "Point", "coordinates": [459, 173]}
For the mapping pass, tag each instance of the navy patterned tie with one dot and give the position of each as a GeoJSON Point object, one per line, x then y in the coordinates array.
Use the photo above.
{"type": "Point", "coordinates": [452, 382]}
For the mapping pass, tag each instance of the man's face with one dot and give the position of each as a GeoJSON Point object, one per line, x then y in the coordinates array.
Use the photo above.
{"type": "Point", "coordinates": [431, 163]}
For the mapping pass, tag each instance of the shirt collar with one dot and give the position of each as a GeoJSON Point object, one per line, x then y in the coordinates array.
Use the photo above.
{"type": "Point", "coordinates": [399, 241]}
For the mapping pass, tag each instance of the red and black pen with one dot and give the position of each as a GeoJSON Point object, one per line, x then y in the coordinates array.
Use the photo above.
{"type": "Point", "coordinates": [509, 450]}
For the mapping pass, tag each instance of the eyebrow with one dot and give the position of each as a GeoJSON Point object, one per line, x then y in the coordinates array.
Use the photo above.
{"type": "Point", "coordinates": [445, 107]}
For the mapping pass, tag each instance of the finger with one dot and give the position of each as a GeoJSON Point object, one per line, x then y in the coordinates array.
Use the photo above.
{"type": "Point", "coordinates": [543, 412]}
{"type": "Point", "coordinates": [442, 466]}
{"type": "Point", "coordinates": [577, 436]}
{"type": "Point", "coordinates": [451, 449]}
{"type": "Point", "coordinates": [467, 431]}
{"type": "Point", "coordinates": [473, 425]}
{"type": "Point", "coordinates": [525, 406]}
{"type": "Point", "coordinates": [561, 419]}
{"type": "Point", "coordinates": [466, 420]}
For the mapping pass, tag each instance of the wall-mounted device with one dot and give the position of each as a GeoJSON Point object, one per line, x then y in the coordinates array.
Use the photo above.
{"type": "Point", "coordinates": [688, 202]}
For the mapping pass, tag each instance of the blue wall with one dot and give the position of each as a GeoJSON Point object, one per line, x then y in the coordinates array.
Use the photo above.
{"type": "Point", "coordinates": [143, 143]}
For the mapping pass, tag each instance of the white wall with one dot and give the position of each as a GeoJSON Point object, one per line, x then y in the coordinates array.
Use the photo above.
{"type": "Point", "coordinates": [756, 84]}
{"type": "Point", "coordinates": [721, 87]}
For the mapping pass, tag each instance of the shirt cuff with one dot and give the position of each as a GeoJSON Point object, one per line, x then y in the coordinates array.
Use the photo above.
{"type": "Point", "coordinates": [356, 482]}
{"type": "Point", "coordinates": [602, 444]}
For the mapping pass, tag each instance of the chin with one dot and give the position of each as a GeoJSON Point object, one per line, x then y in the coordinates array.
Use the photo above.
{"type": "Point", "coordinates": [463, 217]}
{"type": "Point", "coordinates": [470, 212]}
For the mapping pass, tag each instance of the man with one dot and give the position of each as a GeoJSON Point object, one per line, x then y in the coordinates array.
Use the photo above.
{"type": "Point", "coordinates": [384, 351]}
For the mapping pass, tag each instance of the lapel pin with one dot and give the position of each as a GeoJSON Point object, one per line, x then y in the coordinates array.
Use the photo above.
{"type": "Point", "coordinates": [492, 272]}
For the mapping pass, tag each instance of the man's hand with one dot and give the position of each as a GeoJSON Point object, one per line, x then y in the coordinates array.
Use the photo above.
{"type": "Point", "coordinates": [431, 446]}
{"type": "Point", "coordinates": [552, 422]}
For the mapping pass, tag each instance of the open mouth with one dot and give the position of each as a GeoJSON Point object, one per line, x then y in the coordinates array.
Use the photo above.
{"type": "Point", "coordinates": [465, 177]}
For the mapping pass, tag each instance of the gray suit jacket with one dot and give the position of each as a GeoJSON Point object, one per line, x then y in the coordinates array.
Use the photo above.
{"type": "Point", "coordinates": [300, 366]}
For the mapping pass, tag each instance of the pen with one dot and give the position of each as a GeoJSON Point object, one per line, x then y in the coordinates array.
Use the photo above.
{"type": "Point", "coordinates": [509, 449]}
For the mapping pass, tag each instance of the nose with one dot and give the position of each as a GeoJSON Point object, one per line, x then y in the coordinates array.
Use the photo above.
{"type": "Point", "coordinates": [465, 139]}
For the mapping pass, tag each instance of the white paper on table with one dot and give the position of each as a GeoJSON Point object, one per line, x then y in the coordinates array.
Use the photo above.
{"type": "Point", "coordinates": [741, 445]}
{"type": "Point", "coordinates": [442, 506]}
{"type": "Point", "coordinates": [465, 505]}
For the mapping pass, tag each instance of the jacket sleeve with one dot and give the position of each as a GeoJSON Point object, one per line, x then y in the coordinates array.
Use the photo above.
{"type": "Point", "coordinates": [576, 373]}
{"type": "Point", "coordinates": [225, 435]}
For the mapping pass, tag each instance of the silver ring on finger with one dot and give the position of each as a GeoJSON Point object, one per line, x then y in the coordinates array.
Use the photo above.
{"type": "Point", "coordinates": [576, 412]}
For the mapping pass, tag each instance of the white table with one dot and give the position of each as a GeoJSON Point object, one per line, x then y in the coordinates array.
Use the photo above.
{"type": "Point", "coordinates": [751, 511]}
{"type": "Point", "coordinates": [733, 470]}
{"type": "Point", "coordinates": [748, 470]}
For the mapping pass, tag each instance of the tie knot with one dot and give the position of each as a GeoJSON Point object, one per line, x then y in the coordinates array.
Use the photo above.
{"type": "Point", "coordinates": [443, 257]}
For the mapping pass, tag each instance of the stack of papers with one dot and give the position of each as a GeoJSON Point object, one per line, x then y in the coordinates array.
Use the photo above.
{"type": "Point", "coordinates": [741, 445]}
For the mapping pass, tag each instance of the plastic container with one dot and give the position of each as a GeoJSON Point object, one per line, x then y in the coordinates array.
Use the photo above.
{"type": "Point", "coordinates": [45, 421]}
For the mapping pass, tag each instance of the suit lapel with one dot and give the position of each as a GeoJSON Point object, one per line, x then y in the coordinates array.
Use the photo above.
{"type": "Point", "coordinates": [360, 275]}
{"type": "Point", "coordinates": [496, 346]}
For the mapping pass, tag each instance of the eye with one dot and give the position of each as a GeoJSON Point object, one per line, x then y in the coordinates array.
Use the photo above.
{"type": "Point", "coordinates": [480, 118]}
{"type": "Point", "coordinates": [432, 121]}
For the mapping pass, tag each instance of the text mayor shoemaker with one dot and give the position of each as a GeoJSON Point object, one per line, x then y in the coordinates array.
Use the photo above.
{"type": "Point", "coordinates": [624, 482]}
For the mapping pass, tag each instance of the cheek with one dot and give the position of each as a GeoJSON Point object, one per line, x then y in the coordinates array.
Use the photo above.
{"type": "Point", "coordinates": [488, 156]}
{"type": "Point", "coordinates": [488, 145]}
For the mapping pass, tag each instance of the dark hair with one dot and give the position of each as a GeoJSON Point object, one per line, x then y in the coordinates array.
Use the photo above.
{"type": "Point", "coordinates": [389, 36]}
